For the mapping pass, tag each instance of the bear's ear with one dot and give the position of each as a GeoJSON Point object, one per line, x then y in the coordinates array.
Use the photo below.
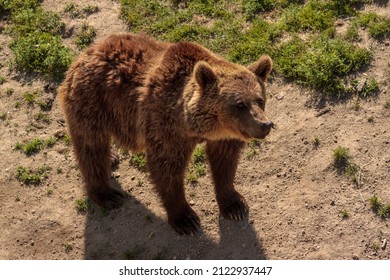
{"type": "Point", "coordinates": [262, 67]}
{"type": "Point", "coordinates": [204, 75]}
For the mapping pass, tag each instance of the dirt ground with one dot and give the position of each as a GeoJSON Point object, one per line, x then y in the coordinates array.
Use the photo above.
{"type": "Point", "coordinates": [295, 194]}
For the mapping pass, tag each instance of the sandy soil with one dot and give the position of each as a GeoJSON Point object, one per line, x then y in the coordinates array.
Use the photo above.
{"type": "Point", "coordinates": [296, 196]}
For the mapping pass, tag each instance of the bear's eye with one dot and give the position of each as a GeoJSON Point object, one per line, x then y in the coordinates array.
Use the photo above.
{"type": "Point", "coordinates": [260, 102]}
{"type": "Point", "coordinates": [241, 106]}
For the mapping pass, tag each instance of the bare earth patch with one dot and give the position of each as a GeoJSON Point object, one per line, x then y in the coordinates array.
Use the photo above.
{"type": "Point", "coordinates": [301, 206]}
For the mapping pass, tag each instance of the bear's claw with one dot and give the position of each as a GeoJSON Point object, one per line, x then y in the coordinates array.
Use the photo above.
{"type": "Point", "coordinates": [234, 208]}
{"type": "Point", "coordinates": [186, 224]}
{"type": "Point", "coordinates": [110, 198]}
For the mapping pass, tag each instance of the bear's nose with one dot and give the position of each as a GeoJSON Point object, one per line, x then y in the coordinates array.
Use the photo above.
{"type": "Point", "coordinates": [267, 125]}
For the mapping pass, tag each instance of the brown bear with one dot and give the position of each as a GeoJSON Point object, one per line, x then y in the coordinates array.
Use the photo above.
{"type": "Point", "coordinates": [164, 98]}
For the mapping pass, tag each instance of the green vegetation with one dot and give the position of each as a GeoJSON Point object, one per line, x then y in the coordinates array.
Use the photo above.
{"type": "Point", "coordinates": [86, 36]}
{"type": "Point", "coordinates": [2, 80]}
{"type": "Point", "coordinates": [345, 165]}
{"type": "Point", "coordinates": [30, 176]}
{"type": "Point", "coordinates": [370, 88]}
{"type": "Point", "coordinates": [42, 117]}
{"type": "Point", "coordinates": [35, 145]}
{"type": "Point", "coordinates": [387, 104]}
{"type": "Point", "coordinates": [341, 156]}
{"type": "Point", "coordinates": [68, 247]}
{"type": "Point", "coordinates": [197, 168]}
{"type": "Point", "coordinates": [37, 43]}
{"type": "Point", "coordinates": [316, 141]}
{"type": "Point", "coordinates": [82, 205]}
{"type": "Point", "coordinates": [9, 91]}
{"type": "Point", "coordinates": [322, 60]}
{"type": "Point", "coordinates": [139, 161]}
{"type": "Point", "coordinates": [74, 10]}
{"type": "Point", "coordinates": [344, 214]}
{"type": "Point", "coordinates": [378, 26]}
{"type": "Point", "coordinates": [382, 210]}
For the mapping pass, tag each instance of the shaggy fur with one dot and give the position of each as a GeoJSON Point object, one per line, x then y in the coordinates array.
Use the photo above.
{"type": "Point", "coordinates": [163, 98]}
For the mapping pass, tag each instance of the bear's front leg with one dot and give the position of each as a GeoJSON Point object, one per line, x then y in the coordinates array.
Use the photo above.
{"type": "Point", "coordinates": [167, 166]}
{"type": "Point", "coordinates": [223, 157]}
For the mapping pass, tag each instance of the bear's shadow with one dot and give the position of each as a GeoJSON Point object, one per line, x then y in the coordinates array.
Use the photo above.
{"type": "Point", "coordinates": [134, 232]}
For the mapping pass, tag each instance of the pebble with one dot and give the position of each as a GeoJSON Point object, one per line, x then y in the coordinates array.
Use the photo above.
{"type": "Point", "coordinates": [192, 203]}
{"type": "Point", "coordinates": [384, 244]}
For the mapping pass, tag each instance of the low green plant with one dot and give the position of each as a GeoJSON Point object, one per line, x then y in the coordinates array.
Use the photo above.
{"type": "Point", "coordinates": [139, 161]}
{"type": "Point", "coordinates": [383, 211]}
{"type": "Point", "coordinates": [374, 202]}
{"type": "Point", "coordinates": [3, 116]}
{"type": "Point", "coordinates": [42, 53]}
{"type": "Point", "coordinates": [387, 104]}
{"type": "Point", "coordinates": [316, 141]}
{"type": "Point", "coordinates": [30, 97]}
{"type": "Point", "coordinates": [341, 156]}
{"type": "Point", "coordinates": [370, 88]}
{"type": "Point", "coordinates": [68, 247]}
{"type": "Point", "coordinates": [42, 117]}
{"type": "Point", "coordinates": [345, 214]}
{"type": "Point", "coordinates": [30, 176]}
{"type": "Point", "coordinates": [378, 26]}
{"type": "Point", "coordinates": [9, 91]}
{"type": "Point", "coordinates": [2, 80]}
{"type": "Point", "coordinates": [35, 145]}
{"type": "Point", "coordinates": [86, 36]}
{"type": "Point", "coordinates": [82, 205]}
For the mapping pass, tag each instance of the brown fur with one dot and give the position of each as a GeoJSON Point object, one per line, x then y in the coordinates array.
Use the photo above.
{"type": "Point", "coordinates": [163, 98]}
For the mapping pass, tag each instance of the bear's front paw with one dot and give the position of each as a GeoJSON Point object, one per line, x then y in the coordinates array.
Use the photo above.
{"type": "Point", "coordinates": [187, 222]}
{"type": "Point", "coordinates": [234, 207]}
{"type": "Point", "coordinates": [108, 198]}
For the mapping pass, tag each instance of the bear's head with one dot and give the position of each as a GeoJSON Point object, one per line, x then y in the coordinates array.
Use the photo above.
{"type": "Point", "coordinates": [227, 101]}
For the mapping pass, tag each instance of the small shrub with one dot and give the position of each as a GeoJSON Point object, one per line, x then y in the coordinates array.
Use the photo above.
{"type": "Point", "coordinates": [370, 88]}
{"type": "Point", "coordinates": [387, 104]}
{"type": "Point", "coordinates": [341, 157]}
{"type": "Point", "coordinates": [30, 176]}
{"type": "Point", "coordinates": [2, 80]}
{"type": "Point", "coordinates": [82, 205]}
{"type": "Point", "coordinates": [374, 202]}
{"type": "Point", "coordinates": [344, 214]}
{"type": "Point", "coordinates": [86, 36]}
{"type": "Point", "coordinates": [42, 53]}
{"type": "Point", "coordinates": [9, 91]}
{"type": "Point", "coordinates": [138, 161]}
{"type": "Point", "coordinates": [42, 117]}
{"type": "Point", "coordinates": [316, 141]}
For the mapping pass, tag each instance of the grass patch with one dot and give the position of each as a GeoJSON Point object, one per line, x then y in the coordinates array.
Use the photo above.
{"type": "Point", "coordinates": [320, 60]}
{"type": "Point", "coordinates": [387, 104]}
{"type": "Point", "coordinates": [30, 176]}
{"type": "Point", "coordinates": [370, 88]}
{"type": "Point", "coordinates": [37, 44]}
{"type": "Point", "coordinates": [85, 37]}
{"type": "Point", "coordinates": [197, 168]}
{"type": "Point", "coordinates": [378, 26]}
{"type": "Point", "coordinates": [316, 141]}
{"type": "Point", "coordinates": [42, 118]}
{"type": "Point", "coordinates": [382, 210]}
{"type": "Point", "coordinates": [82, 205]}
{"type": "Point", "coordinates": [139, 161]}
{"type": "Point", "coordinates": [35, 145]}
{"type": "Point", "coordinates": [345, 165]}
{"type": "Point", "coordinates": [2, 80]}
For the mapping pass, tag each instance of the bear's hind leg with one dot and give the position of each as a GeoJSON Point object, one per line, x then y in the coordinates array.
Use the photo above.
{"type": "Point", "coordinates": [93, 154]}
{"type": "Point", "coordinates": [223, 158]}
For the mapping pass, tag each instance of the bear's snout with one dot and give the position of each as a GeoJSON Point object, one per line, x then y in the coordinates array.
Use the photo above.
{"type": "Point", "coordinates": [266, 126]}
